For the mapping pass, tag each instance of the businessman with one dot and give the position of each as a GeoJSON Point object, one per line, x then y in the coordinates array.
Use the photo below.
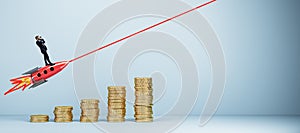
{"type": "Point", "coordinates": [41, 43]}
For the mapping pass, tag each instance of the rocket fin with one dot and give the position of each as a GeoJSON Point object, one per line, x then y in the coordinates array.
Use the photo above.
{"type": "Point", "coordinates": [31, 71]}
{"type": "Point", "coordinates": [38, 83]}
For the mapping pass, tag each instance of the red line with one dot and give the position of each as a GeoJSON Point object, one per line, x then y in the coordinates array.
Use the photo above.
{"type": "Point", "coordinates": [141, 31]}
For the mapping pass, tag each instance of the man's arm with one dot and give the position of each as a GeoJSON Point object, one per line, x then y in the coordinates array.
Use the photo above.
{"type": "Point", "coordinates": [42, 40]}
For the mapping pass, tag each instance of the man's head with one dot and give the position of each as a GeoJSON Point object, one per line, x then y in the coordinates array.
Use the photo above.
{"type": "Point", "coordinates": [38, 37]}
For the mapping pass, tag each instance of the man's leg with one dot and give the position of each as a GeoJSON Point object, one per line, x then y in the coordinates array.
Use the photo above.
{"type": "Point", "coordinates": [47, 58]}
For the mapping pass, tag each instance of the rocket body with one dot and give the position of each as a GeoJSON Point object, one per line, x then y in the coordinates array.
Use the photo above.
{"type": "Point", "coordinates": [36, 76]}
{"type": "Point", "coordinates": [48, 71]}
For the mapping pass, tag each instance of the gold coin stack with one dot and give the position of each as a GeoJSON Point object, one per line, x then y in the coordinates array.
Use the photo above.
{"type": "Point", "coordinates": [63, 114]}
{"type": "Point", "coordinates": [143, 101]}
{"type": "Point", "coordinates": [116, 104]}
{"type": "Point", "coordinates": [39, 118]}
{"type": "Point", "coordinates": [89, 110]}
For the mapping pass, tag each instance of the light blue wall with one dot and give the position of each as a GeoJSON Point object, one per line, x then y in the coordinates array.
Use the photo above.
{"type": "Point", "coordinates": [260, 41]}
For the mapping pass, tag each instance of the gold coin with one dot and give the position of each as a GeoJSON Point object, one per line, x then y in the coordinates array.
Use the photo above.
{"type": "Point", "coordinates": [120, 120]}
{"type": "Point", "coordinates": [117, 110]}
{"type": "Point", "coordinates": [83, 108]}
{"type": "Point", "coordinates": [145, 103]}
{"type": "Point", "coordinates": [90, 111]}
{"type": "Point", "coordinates": [39, 118]}
{"type": "Point", "coordinates": [88, 119]}
{"type": "Point", "coordinates": [62, 120]}
{"type": "Point", "coordinates": [116, 106]}
{"type": "Point", "coordinates": [147, 85]}
{"type": "Point", "coordinates": [64, 115]}
{"type": "Point", "coordinates": [144, 120]}
{"type": "Point", "coordinates": [145, 97]}
{"type": "Point", "coordinates": [143, 100]}
{"type": "Point", "coordinates": [64, 107]}
{"type": "Point", "coordinates": [90, 114]}
{"type": "Point", "coordinates": [63, 110]}
{"type": "Point", "coordinates": [142, 115]}
{"type": "Point", "coordinates": [122, 87]}
{"type": "Point", "coordinates": [89, 101]}
{"type": "Point", "coordinates": [116, 115]}
{"type": "Point", "coordinates": [116, 88]}
{"type": "Point", "coordinates": [143, 87]}
{"type": "Point", "coordinates": [142, 94]}
{"type": "Point", "coordinates": [39, 121]}
{"type": "Point", "coordinates": [143, 109]}
{"type": "Point", "coordinates": [116, 101]}
{"type": "Point", "coordinates": [117, 92]}
{"type": "Point", "coordinates": [117, 95]}
{"type": "Point", "coordinates": [144, 91]}
{"type": "Point", "coordinates": [57, 118]}
{"type": "Point", "coordinates": [116, 98]}
{"type": "Point", "coordinates": [89, 107]}
{"type": "Point", "coordinates": [89, 104]}
{"type": "Point", "coordinates": [112, 119]}
{"type": "Point", "coordinates": [143, 106]}
{"type": "Point", "coordinates": [137, 101]}
{"type": "Point", "coordinates": [143, 79]}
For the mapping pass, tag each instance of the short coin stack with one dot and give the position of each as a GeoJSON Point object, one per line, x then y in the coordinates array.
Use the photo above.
{"type": "Point", "coordinates": [143, 100]}
{"type": "Point", "coordinates": [89, 110]}
{"type": "Point", "coordinates": [39, 118]}
{"type": "Point", "coordinates": [116, 104]}
{"type": "Point", "coordinates": [63, 114]}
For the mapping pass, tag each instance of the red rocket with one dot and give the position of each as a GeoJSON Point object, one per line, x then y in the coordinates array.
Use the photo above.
{"type": "Point", "coordinates": [38, 76]}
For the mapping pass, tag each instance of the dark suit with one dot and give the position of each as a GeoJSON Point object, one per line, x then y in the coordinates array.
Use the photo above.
{"type": "Point", "coordinates": [43, 48]}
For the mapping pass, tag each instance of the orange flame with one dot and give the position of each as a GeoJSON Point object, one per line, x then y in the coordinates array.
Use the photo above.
{"type": "Point", "coordinates": [20, 82]}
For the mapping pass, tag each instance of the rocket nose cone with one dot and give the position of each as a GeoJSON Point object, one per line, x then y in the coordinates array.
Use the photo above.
{"type": "Point", "coordinates": [61, 64]}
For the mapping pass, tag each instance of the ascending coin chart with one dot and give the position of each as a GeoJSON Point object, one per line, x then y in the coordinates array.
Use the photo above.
{"type": "Point", "coordinates": [183, 57]}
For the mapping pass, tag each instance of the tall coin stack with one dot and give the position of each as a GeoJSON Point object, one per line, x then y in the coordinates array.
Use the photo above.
{"type": "Point", "coordinates": [116, 104]}
{"type": "Point", "coordinates": [39, 118]}
{"type": "Point", "coordinates": [63, 114]}
{"type": "Point", "coordinates": [89, 110]}
{"type": "Point", "coordinates": [143, 100]}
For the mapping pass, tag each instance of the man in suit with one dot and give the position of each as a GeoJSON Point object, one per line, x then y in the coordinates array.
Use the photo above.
{"type": "Point", "coordinates": [41, 43]}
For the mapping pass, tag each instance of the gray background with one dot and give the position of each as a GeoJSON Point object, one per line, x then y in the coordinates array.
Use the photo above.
{"type": "Point", "coordinates": [260, 41]}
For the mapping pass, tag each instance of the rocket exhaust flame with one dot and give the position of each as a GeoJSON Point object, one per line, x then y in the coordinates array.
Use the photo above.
{"type": "Point", "coordinates": [20, 82]}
